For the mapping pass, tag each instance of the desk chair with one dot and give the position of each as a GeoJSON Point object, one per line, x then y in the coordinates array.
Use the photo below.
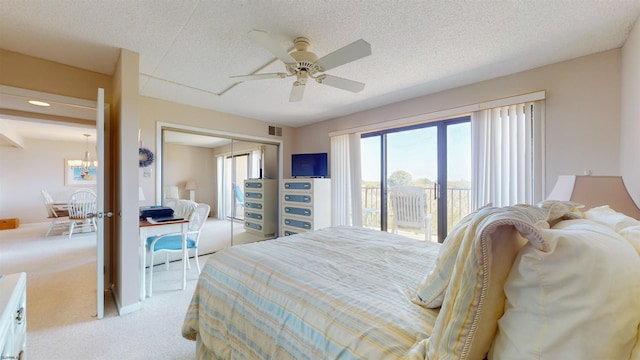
{"type": "Point", "coordinates": [173, 242]}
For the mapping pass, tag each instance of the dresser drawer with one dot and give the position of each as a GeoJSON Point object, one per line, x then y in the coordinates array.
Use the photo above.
{"type": "Point", "coordinates": [252, 215]}
{"type": "Point", "coordinates": [291, 210]}
{"type": "Point", "coordinates": [298, 185]}
{"type": "Point", "coordinates": [253, 195]}
{"type": "Point", "coordinates": [253, 205]}
{"type": "Point", "coordinates": [304, 199]}
{"type": "Point", "coordinates": [252, 226]}
{"type": "Point", "coordinates": [288, 232]}
{"type": "Point", "coordinates": [298, 223]}
{"type": "Point", "coordinates": [253, 184]}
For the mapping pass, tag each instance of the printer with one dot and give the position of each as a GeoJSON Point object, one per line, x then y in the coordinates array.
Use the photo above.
{"type": "Point", "coordinates": [156, 212]}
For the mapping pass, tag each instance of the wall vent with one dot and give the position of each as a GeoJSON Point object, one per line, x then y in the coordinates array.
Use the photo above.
{"type": "Point", "coordinates": [274, 130]}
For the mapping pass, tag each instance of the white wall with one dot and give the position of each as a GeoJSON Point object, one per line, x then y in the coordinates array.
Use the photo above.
{"type": "Point", "coordinates": [582, 113]}
{"type": "Point", "coordinates": [24, 172]}
{"type": "Point", "coordinates": [630, 114]}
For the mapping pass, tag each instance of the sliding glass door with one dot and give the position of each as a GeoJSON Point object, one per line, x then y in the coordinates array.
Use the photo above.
{"type": "Point", "coordinates": [416, 180]}
{"type": "Point", "coordinates": [236, 167]}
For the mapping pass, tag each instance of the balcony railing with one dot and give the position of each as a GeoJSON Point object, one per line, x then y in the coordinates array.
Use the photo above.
{"type": "Point", "coordinates": [458, 205]}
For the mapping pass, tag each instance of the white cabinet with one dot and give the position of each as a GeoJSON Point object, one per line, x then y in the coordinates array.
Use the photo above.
{"type": "Point", "coordinates": [306, 205]}
{"type": "Point", "coordinates": [261, 207]}
{"type": "Point", "coordinates": [13, 320]}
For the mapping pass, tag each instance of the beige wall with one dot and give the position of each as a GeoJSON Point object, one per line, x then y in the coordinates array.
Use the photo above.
{"type": "Point", "coordinates": [27, 72]}
{"type": "Point", "coordinates": [153, 111]}
{"type": "Point", "coordinates": [582, 113]}
{"type": "Point", "coordinates": [630, 114]}
{"type": "Point", "coordinates": [26, 171]}
{"type": "Point", "coordinates": [184, 163]}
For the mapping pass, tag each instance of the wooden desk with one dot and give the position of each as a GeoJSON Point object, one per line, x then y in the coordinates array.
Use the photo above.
{"type": "Point", "coordinates": [148, 229]}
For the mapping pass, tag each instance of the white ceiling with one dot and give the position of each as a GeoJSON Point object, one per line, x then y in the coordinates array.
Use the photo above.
{"type": "Point", "coordinates": [188, 49]}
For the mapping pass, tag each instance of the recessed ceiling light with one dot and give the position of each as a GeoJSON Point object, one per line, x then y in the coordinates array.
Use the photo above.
{"type": "Point", "coordinates": [39, 103]}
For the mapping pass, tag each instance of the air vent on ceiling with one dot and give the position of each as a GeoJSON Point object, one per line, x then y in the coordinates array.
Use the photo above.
{"type": "Point", "coordinates": [274, 130]}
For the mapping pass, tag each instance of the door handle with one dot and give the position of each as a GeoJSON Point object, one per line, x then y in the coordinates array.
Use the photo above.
{"type": "Point", "coordinates": [101, 215]}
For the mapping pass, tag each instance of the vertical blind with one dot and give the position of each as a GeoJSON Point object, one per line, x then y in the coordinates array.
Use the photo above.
{"type": "Point", "coordinates": [506, 145]}
{"type": "Point", "coordinates": [345, 180]}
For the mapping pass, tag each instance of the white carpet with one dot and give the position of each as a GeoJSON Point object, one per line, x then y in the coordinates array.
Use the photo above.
{"type": "Point", "coordinates": [61, 303]}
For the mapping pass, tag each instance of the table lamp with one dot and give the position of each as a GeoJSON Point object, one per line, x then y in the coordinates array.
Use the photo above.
{"type": "Point", "coordinates": [192, 187]}
{"type": "Point", "coordinates": [592, 191]}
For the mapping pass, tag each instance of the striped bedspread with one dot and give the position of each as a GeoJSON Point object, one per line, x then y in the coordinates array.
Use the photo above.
{"type": "Point", "coordinates": [336, 293]}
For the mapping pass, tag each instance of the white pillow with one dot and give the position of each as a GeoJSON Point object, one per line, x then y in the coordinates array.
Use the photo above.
{"type": "Point", "coordinates": [632, 234]}
{"type": "Point", "coordinates": [607, 216]}
{"type": "Point", "coordinates": [579, 300]}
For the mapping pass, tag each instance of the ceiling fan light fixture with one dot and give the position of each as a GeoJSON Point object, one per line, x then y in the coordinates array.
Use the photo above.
{"type": "Point", "coordinates": [304, 64]}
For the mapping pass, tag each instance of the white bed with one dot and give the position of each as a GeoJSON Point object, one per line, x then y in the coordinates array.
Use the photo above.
{"type": "Point", "coordinates": [354, 293]}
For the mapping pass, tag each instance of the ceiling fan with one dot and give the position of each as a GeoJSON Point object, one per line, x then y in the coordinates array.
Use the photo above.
{"type": "Point", "coordinates": [304, 64]}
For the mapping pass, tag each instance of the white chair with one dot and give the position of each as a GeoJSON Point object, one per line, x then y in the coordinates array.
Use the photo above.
{"type": "Point", "coordinates": [59, 217]}
{"type": "Point", "coordinates": [173, 242]}
{"type": "Point", "coordinates": [82, 211]}
{"type": "Point", "coordinates": [409, 209]}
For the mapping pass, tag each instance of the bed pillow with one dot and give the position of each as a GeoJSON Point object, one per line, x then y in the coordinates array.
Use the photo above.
{"type": "Point", "coordinates": [432, 288]}
{"type": "Point", "coordinates": [632, 234]}
{"type": "Point", "coordinates": [579, 300]}
{"type": "Point", "coordinates": [611, 218]}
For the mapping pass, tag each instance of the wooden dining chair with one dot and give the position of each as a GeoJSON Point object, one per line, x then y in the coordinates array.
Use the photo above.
{"type": "Point", "coordinates": [82, 211]}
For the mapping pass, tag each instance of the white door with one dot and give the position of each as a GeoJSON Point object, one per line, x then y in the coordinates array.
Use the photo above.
{"type": "Point", "coordinates": [100, 204]}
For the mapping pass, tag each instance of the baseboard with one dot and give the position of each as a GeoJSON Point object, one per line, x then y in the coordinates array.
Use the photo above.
{"type": "Point", "coordinates": [124, 310]}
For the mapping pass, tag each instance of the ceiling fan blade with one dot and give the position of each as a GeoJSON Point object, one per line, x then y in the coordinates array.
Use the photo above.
{"type": "Point", "coordinates": [354, 51]}
{"type": "Point", "coordinates": [258, 76]}
{"type": "Point", "coordinates": [270, 44]}
{"type": "Point", "coordinates": [297, 91]}
{"type": "Point", "coordinates": [340, 83]}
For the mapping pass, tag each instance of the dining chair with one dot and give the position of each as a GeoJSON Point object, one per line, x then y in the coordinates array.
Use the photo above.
{"type": "Point", "coordinates": [173, 242]}
{"type": "Point", "coordinates": [82, 210]}
{"type": "Point", "coordinates": [59, 217]}
{"type": "Point", "coordinates": [409, 210]}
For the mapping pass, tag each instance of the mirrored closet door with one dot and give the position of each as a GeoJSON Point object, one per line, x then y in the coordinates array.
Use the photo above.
{"type": "Point", "coordinates": [237, 178]}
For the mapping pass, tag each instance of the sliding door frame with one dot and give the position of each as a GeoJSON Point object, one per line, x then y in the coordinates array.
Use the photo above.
{"type": "Point", "coordinates": [440, 191]}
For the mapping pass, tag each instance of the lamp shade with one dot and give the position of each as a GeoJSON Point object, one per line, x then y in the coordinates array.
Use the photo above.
{"type": "Point", "coordinates": [592, 191]}
{"type": "Point", "coordinates": [191, 185]}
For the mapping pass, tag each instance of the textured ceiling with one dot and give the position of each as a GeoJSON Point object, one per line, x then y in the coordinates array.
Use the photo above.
{"type": "Point", "coordinates": [188, 49]}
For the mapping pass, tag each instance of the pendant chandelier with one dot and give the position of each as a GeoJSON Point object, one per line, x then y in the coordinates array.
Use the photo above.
{"type": "Point", "coordinates": [86, 161]}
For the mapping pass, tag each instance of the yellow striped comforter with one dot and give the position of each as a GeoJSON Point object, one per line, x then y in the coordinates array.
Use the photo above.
{"type": "Point", "coordinates": [336, 293]}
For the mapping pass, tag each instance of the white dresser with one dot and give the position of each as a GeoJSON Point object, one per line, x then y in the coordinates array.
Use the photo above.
{"type": "Point", "coordinates": [13, 320]}
{"type": "Point", "coordinates": [261, 207]}
{"type": "Point", "coordinates": [306, 205]}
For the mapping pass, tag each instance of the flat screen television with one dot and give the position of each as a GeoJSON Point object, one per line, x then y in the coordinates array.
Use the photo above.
{"type": "Point", "coordinates": [309, 165]}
